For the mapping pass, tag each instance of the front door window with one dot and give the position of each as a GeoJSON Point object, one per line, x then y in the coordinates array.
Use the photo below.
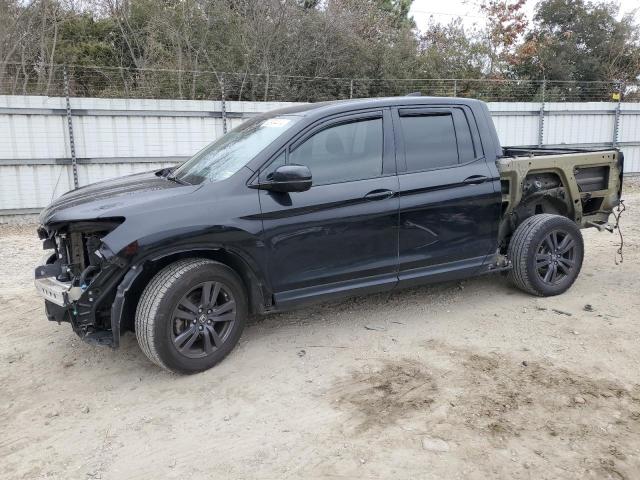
{"type": "Point", "coordinates": [343, 153]}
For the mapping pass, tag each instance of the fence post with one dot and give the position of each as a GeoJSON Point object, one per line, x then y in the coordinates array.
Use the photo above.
{"type": "Point", "coordinates": [455, 88]}
{"type": "Point", "coordinates": [351, 88]}
{"type": "Point", "coordinates": [541, 115]}
{"type": "Point", "coordinates": [223, 105]}
{"type": "Point", "coordinates": [72, 146]}
{"type": "Point", "coordinates": [616, 123]}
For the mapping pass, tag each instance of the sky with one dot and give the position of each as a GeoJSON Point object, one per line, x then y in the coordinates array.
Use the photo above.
{"type": "Point", "coordinates": [467, 10]}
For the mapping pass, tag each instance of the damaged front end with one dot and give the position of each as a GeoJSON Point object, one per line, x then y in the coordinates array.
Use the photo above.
{"type": "Point", "coordinates": [79, 278]}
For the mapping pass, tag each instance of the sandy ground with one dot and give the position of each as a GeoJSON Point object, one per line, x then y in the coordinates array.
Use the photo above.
{"type": "Point", "coordinates": [472, 380]}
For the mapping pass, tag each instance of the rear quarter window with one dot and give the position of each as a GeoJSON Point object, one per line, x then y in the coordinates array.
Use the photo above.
{"type": "Point", "coordinates": [466, 150]}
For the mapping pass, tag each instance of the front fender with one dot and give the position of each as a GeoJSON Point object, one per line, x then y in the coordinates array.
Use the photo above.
{"type": "Point", "coordinates": [118, 303]}
{"type": "Point", "coordinates": [144, 267]}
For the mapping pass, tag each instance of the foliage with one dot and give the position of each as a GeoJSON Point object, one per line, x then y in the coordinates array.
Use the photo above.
{"type": "Point", "coordinates": [304, 49]}
{"type": "Point", "coordinates": [581, 41]}
{"type": "Point", "coordinates": [506, 24]}
{"type": "Point", "coordinates": [449, 51]}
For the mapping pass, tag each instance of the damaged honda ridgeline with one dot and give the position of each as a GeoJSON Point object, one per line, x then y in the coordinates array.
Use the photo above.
{"type": "Point", "coordinates": [316, 202]}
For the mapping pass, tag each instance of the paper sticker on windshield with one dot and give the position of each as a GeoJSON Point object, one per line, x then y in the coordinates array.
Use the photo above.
{"type": "Point", "coordinates": [276, 122]}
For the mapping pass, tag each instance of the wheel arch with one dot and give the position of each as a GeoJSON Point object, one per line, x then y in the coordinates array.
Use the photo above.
{"type": "Point", "coordinates": [139, 275]}
{"type": "Point", "coordinates": [541, 191]}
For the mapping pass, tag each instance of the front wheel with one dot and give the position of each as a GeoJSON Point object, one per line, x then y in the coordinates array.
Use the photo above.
{"type": "Point", "coordinates": [191, 315]}
{"type": "Point", "coordinates": [546, 251]}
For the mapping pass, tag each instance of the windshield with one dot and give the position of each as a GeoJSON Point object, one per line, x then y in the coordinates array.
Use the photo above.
{"type": "Point", "coordinates": [232, 151]}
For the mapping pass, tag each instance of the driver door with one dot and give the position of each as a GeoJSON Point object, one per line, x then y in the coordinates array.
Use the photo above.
{"type": "Point", "coordinates": [342, 234]}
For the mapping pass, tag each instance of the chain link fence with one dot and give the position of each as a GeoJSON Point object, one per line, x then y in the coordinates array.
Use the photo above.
{"type": "Point", "coordinates": [113, 82]}
{"type": "Point", "coordinates": [64, 132]}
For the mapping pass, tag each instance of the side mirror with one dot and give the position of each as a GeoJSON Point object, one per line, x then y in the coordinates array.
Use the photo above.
{"type": "Point", "coordinates": [288, 178]}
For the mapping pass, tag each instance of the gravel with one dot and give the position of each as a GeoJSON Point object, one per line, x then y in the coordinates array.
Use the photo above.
{"type": "Point", "coordinates": [442, 362]}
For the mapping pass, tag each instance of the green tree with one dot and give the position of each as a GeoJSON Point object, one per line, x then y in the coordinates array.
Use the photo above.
{"type": "Point", "coordinates": [582, 41]}
{"type": "Point", "coordinates": [450, 51]}
{"type": "Point", "coordinates": [506, 24]}
{"type": "Point", "coordinates": [399, 11]}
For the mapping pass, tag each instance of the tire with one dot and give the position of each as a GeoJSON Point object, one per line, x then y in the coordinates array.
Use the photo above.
{"type": "Point", "coordinates": [175, 315]}
{"type": "Point", "coordinates": [546, 252]}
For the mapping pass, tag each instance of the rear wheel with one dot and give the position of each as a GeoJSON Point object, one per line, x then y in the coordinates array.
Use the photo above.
{"type": "Point", "coordinates": [546, 252]}
{"type": "Point", "coordinates": [191, 315]}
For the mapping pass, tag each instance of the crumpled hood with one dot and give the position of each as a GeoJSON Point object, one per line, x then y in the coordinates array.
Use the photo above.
{"type": "Point", "coordinates": [111, 198]}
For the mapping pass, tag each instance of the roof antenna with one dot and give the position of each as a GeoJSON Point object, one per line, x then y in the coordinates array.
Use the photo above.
{"type": "Point", "coordinates": [414, 94]}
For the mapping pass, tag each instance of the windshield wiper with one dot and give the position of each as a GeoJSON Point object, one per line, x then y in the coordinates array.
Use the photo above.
{"type": "Point", "coordinates": [173, 178]}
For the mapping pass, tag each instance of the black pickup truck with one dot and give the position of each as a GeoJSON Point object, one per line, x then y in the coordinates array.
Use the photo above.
{"type": "Point", "coordinates": [315, 202]}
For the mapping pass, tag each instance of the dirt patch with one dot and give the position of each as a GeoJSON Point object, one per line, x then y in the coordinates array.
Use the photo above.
{"type": "Point", "coordinates": [382, 396]}
{"type": "Point", "coordinates": [515, 405]}
{"type": "Point", "coordinates": [539, 399]}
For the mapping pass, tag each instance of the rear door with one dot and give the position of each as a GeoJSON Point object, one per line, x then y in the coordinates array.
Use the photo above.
{"type": "Point", "coordinates": [449, 210]}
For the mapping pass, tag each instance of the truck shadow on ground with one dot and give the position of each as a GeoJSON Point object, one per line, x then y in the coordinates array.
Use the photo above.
{"type": "Point", "coordinates": [389, 303]}
{"type": "Point", "coordinates": [347, 312]}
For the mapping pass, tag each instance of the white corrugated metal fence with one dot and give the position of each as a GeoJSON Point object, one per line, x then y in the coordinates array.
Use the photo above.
{"type": "Point", "coordinates": [115, 137]}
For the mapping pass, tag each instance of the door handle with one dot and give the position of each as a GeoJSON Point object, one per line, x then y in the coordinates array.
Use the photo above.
{"type": "Point", "coordinates": [379, 194]}
{"type": "Point", "coordinates": [475, 180]}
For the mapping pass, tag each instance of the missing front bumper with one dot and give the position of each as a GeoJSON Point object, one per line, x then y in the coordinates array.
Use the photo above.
{"type": "Point", "coordinates": [55, 291]}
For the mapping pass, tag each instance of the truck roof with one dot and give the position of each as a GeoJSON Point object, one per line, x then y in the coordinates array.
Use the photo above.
{"type": "Point", "coordinates": [338, 106]}
{"type": "Point", "coordinates": [316, 111]}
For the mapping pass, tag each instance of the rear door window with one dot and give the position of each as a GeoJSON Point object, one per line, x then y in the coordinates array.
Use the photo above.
{"type": "Point", "coordinates": [429, 141]}
{"type": "Point", "coordinates": [435, 139]}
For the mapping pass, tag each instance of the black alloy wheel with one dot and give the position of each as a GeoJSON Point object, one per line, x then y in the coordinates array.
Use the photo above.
{"type": "Point", "coordinates": [191, 315]}
{"type": "Point", "coordinates": [203, 319]}
{"type": "Point", "coordinates": [546, 253]}
{"type": "Point", "coordinates": [555, 257]}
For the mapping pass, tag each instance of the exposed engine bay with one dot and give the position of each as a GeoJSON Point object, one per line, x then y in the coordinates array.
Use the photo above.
{"type": "Point", "coordinates": [66, 279]}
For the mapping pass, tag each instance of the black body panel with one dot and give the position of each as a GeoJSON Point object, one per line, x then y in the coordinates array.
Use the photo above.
{"type": "Point", "coordinates": [444, 220]}
{"type": "Point", "coordinates": [331, 234]}
{"type": "Point", "coordinates": [335, 239]}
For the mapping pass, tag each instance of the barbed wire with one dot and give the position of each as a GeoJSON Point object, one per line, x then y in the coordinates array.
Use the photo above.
{"type": "Point", "coordinates": [158, 83]}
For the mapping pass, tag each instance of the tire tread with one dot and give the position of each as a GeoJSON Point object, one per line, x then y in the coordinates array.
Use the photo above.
{"type": "Point", "coordinates": [150, 301]}
{"type": "Point", "coordinates": [520, 249]}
